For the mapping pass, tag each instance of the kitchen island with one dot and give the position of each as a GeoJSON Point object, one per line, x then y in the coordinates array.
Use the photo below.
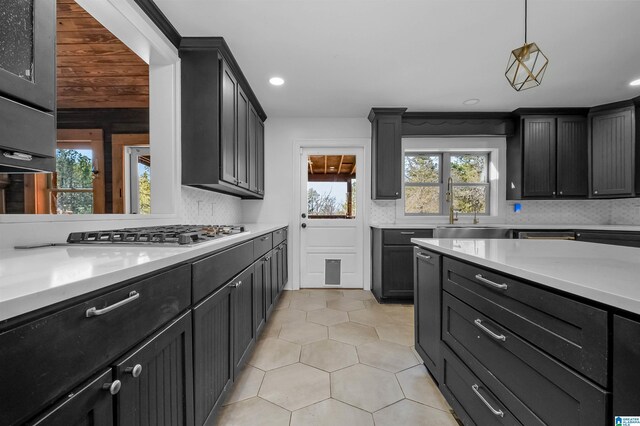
{"type": "Point", "coordinates": [530, 332]}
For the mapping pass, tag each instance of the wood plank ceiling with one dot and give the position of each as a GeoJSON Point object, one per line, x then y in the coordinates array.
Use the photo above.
{"type": "Point", "coordinates": [95, 69]}
{"type": "Point", "coordinates": [331, 167]}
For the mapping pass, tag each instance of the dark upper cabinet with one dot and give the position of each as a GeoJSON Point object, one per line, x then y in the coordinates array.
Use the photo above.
{"type": "Point", "coordinates": [613, 153]}
{"type": "Point", "coordinates": [539, 155]}
{"type": "Point", "coordinates": [572, 157]}
{"type": "Point", "coordinates": [386, 153]}
{"type": "Point", "coordinates": [27, 86]}
{"type": "Point", "coordinates": [222, 122]}
{"type": "Point", "coordinates": [548, 158]}
{"type": "Point", "coordinates": [427, 307]}
{"type": "Point", "coordinates": [228, 133]}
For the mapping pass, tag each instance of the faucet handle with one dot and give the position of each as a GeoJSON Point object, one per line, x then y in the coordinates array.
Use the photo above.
{"type": "Point", "coordinates": [455, 215]}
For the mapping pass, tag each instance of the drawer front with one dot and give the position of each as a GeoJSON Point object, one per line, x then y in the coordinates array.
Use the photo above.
{"type": "Point", "coordinates": [536, 388]}
{"type": "Point", "coordinates": [279, 236]}
{"type": "Point", "coordinates": [211, 273]}
{"type": "Point", "coordinates": [575, 333]}
{"type": "Point", "coordinates": [403, 236]}
{"type": "Point", "coordinates": [261, 245]}
{"type": "Point", "coordinates": [57, 352]}
{"type": "Point", "coordinates": [472, 401]}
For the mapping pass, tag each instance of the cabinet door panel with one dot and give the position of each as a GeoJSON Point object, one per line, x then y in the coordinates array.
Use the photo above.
{"type": "Point", "coordinates": [268, 283]}
{"type": "Point", "coordinates": [243, 139]}
{"type": "Point", "coordinates": [90, 405]}
{"type": "Point", "coordinates": [228, 135]}
{"type": "Point", "coordinates": [259, 305]}
{"type": "Point", "coordinates": [163, 392]}
{"type": "Point", "coordinates": [539, 145]}
{"type": "Point", "coordinates": [243, 319]}
{"type": "Point", "coordinates": [212, 340]}
{"type": "Point", "coordinates": [572, 158]}
{"type": "Point", "coordinates": [626, 374]}
{"type": "Point", "coordinates": [386, 157]}
{"type": "Point", "coordinates": [260, 160]}
{"type": "Point", "coordinates": [612, 153]}
{"type": "Point", "coordinates": [426, 296]}
{"type": "Point", "coordinates": [253, 150]}
{"type": "Point", "coordinates": [397, 271]}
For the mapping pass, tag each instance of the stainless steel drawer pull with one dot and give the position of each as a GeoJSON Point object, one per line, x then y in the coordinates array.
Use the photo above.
{"type": "Point", "coordinates": [478, 323]}
{"type": "Point", "coordinates": [113, 388]}
{"type": "Point", "coordinates": [483, 280]}
{"type": "Point", "coordinates": [93, 312]}
{"type": "Point", "coordinates": [407, 233]}
{"type": "Point", "coordinates": [475, 389]}
{"type": "Point", "coordinates": [424, 256]}
{"type": "Point", "coordinates": [233, 285]}
{"type": "Point", "coordinates": [18, 156]}
{"type": "Point", "coordinates": [135, 371]}
{"type": "Point", "coordinates": [264, 238]}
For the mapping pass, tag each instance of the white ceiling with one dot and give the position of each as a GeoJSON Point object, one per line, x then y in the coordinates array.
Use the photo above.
{"type": "Point", "coordinates": [341, 57]}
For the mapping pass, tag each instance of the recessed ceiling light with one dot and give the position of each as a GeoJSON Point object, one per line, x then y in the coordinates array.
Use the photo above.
{"type": "Point", "coordinates": [276, 81]}
{"type": "Point", "coordinates": [635, 83]}
{"type": "Point", "coordinates": [471, 101]}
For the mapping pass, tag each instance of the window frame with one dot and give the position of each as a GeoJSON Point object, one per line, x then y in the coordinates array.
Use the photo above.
{"type": "Point", "coordinates": [494, 147]}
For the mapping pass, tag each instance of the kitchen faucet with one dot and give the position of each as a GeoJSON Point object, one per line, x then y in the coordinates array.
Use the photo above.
{"type": "Point", "coordinates": [449, 199]}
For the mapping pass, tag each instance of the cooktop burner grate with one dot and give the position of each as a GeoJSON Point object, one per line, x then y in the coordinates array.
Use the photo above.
{"type": "Point", "coordinates": [172, 234]}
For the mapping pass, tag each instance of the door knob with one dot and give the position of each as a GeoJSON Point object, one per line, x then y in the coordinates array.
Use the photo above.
{"type": "Point", "coordinates": [304, 215]}
{"type": "Point", "coordinates": [304, 225]}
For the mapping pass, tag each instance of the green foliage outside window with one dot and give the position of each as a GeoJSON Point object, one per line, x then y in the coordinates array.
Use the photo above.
{"type": "Point", "coordinates": [74, 171]}
{"type": "Point", "coordinates": [144, 191]}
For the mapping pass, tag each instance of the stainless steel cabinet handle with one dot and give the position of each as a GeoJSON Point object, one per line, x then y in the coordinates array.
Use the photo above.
{"type": "Point", "coordinates": [18, 156]}
{"type": "Point", "coordinates": [279, 232]}
{"type": "Point", "coordinates": [135, 371]}
{"type": "Point", "coordinates": [113, 388]}
{"type": "Point", "coordinates": [475, 389]}
{"type": "Point", "coordinates": [93, 312]}
{"type": "Point", "coordinates": [407, 233]}
{"type": "Point", "coordinates": [266, 259]}
{"type": "Point", "coordinates": [483, 280]}
{"type": "Point", "coordinates": [239, 283]}
{"type": "Point", "coordinates": [264, 238]}
{"type": "Point", "coordinates": [233, 285]}
{"type": "Point", "coordinates": [478, 323]}
{"type": "Point", "coordinates": [423, 256]}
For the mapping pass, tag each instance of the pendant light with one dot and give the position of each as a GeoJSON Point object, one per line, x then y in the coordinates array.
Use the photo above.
{"type": "Point", "coordinates": [527, 64]}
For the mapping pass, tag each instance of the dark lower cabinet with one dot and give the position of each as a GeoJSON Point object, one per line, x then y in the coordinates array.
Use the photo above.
{"type": "Point", "coordinates": [427, 308]}
{"type": "Point", "coordinates": [268, 284]}
{"type": "Point", "coordinates": [259, 293]}
{"type": "Point", "coordinates": [92, 404]}
{"type": "Point", "coordinates": [398, 284]}
{"type": "Point", "coordinates": [628, 239]}
{"type": "Point", "coordinates": [626, 373]}
{"type": "Point", "coordinates": [212, 352]}
{"type": "Point", "coordinates": [244, 332]}
{"type": "Point", "coordinates": [157, 379]}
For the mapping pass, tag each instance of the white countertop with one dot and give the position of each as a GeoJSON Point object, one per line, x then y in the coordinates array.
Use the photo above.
{"type": "Point", "coordinates": [569, 226]}
{"type": "Point", "coordinates": [35, 278]}
{"type": "Point", "coordinates": [599, 272]}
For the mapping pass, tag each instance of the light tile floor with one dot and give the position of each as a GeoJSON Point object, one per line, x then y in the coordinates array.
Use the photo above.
{"type": "Point", "coordinates": [336, 357]}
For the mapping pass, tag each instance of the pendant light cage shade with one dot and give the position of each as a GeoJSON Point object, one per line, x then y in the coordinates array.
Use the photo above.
{"type": "Point", "coordinates": [526, 67]}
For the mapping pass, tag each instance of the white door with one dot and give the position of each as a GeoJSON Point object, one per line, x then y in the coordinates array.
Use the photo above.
{"type": "Point", "coordinates": [331, 228]}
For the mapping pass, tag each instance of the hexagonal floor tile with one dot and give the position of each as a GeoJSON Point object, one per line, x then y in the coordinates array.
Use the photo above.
{"type": "Point", "coordinates": [397, 333]}
{"type": "Point", "coordinates": [295, 386]}
{"type": "Point", "coordinates": [371, 317]}
{"type": "Point", "coordinates": [365, 387]}
{"type": "Point", "coordinates": [303, 332]}
{"type": "Point", "coordinates": [273, 353]}
{"type": "Point", "coordinates": [254, 411]}
{"type": "Point", "coordinates": [401, 314]}
{"type": "Point", "coordinates": [327, 316]}
{"type": "Point", "coordinates": [408, 412]}
{"type": "Point", "coordinates": [418, 386]}
{"type": "Point", "coordinates": [329, 355]}
{"type": "Point", "coordinates": [353, 333]}
{"type": "Point", "coordinates": [345, 304]}
{"type": "Point", "coordinates": [287, 315]}
{"type": "Point", "coordinates": [246, 386]}
{"type": "Point", "coordinates": [307, 304]}
{"type": "Point", "coordinates": [358, 294]}
{"type": "Point", "coordinates": [387, 356]}
{"type": "Point", "coordinates": [331, 412]}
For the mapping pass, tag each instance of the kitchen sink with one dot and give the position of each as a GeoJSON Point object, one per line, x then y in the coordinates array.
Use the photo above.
{"type": "Point", "coordinates": [471, 232]}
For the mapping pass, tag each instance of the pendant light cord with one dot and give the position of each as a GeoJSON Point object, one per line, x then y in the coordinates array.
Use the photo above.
{"type": "Point", "coordinates": [525, 21]}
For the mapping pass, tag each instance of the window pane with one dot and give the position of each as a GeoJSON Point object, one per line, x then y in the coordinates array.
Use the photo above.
{"type": "Point", "coordinates": [422, 168]}
{"type": "Point", "coordinates": [469, 168]}
{"type": "Point", "coordinates": [422, 200]}
{"type": "Point", "coordinates": [144, 185]}
{"type": "Point", "coordinates": [74, 169]}
{"type": "Point", "coordinates": [468, 198]}
{"type": "Point", "coordinates": [74, 202]}
{"type": "Point", "coordinates": [330, 200]}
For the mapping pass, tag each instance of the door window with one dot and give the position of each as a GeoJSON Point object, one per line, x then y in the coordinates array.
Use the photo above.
{"type": "Point", "coordinates": [331, 186]}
